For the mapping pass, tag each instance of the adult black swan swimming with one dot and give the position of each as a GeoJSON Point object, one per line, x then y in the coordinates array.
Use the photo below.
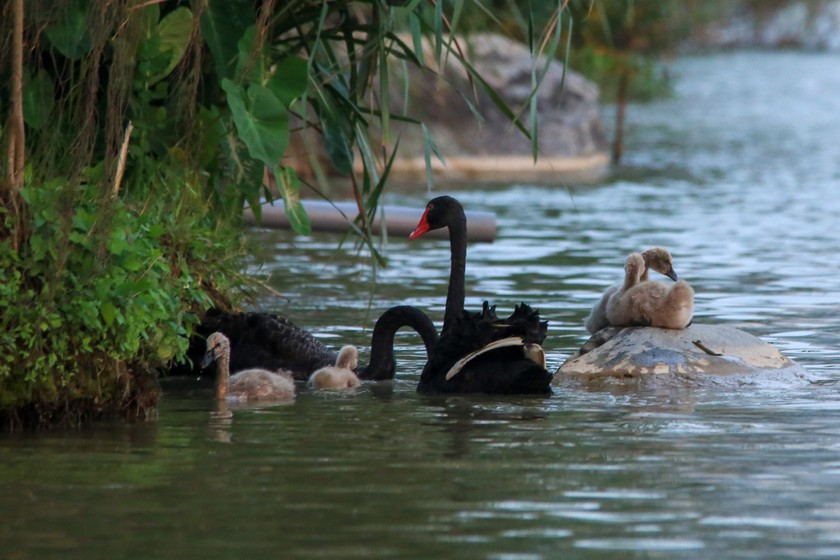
{"type": "Point", "coordinates": [478, 352]}
{"type": "Point", "coordinates": [267, 341]}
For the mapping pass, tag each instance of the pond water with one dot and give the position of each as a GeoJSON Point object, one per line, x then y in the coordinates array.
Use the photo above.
{"type": "Point", "coordinates": [738, 175]}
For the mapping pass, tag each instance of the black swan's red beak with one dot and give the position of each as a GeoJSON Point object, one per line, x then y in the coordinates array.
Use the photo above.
{"type": "Point", "coordinates": [422, 227]}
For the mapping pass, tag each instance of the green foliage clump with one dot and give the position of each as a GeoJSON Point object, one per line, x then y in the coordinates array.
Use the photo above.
{"type": "Point", "coordinates": [614, 40]}
{"type": "Point", "coordinates": [650, 79]}
{"type": "Point", "coordinates": [134, 134]}
{"type": "Point", "coordinates": [103, 294]}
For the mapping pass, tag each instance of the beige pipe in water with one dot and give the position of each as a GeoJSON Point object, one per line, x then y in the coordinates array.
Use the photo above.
{"type": "Point", "coordinates": [400, 220]}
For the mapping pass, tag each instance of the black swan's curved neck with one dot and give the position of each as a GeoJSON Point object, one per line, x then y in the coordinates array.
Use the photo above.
{"type": "Point", "coordinates": [458, 248]}
{"type": "Point", "coordinates": [382, 363]}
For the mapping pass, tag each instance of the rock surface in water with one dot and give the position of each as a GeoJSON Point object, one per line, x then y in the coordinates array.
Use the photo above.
{"type": "Point", "coordinates": [700, 352]}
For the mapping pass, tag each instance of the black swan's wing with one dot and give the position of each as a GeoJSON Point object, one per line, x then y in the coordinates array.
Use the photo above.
{"type": "Point", "coordinates": [482, 353]}
{"type": "Point", "coordinates": [263, 340]}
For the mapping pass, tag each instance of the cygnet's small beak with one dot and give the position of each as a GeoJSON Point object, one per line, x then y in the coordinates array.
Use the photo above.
{"type": "Point", "coordinates": [209, 358]}
{"type": "Point", "coordinates": [672, 275]}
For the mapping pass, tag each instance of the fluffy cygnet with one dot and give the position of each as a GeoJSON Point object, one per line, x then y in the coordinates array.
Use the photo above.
{"type": "Point", "coordinates": [245, 385]}
{"type": "Point", "coordinates": [341, 375]}
{"type": "Point", "coordinates": [651, 304]}
{"type": "Point", "coordinates": [655, 258]}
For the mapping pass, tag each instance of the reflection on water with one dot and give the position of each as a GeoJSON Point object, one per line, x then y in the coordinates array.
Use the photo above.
{"type": "Point", "coordinates": [736, 175]}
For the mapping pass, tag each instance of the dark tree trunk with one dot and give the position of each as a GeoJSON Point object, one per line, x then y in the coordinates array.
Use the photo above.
{"type": "Point", "coordinates": [621, 107]}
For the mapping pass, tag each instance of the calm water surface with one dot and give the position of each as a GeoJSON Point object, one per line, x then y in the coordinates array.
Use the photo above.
{"type": "Point", "coordinates": [738, 175]}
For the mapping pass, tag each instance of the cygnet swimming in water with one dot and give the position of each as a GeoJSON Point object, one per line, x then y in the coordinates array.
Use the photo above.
{"type": "Point", "coordinates": [649, 303]}
{"type": "Point", "coordinates": [341, 375]}
{"type": "Point", "coordinates": [656, 258]}
{"type": "Point", "coordinates": [249, 384]}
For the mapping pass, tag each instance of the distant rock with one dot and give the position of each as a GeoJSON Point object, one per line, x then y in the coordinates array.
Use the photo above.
{"type": "Point", "coordinates": [571, 134]}
{"type": "Point", "coordinates": [705, 354]}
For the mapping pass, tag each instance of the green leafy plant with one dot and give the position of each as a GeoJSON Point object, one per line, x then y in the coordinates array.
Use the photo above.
{"type": "Point", "coordinates": [137, 131]}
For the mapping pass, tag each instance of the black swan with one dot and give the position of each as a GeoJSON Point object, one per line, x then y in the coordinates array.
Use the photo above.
{"type": "Point", "coordinates": [341, 375]}
{"type": "Point", "coordinates": [270, 342]}
{"type": "Point", "coordinates": [656, 258]}
{"type": "Point", "coordinates": [249, 384]}
{"type": "Point", "coordinates": [479, 352]}
{"type": "Point", "coordinates": [650, 303]}
{"type": "Point", "coordinates": [264, 340]}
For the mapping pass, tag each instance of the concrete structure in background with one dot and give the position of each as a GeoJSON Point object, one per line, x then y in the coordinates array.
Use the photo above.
{"type": "Point", "coordinates": [400, 221]}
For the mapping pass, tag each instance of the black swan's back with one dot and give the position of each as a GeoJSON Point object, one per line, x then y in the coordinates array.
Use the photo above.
{"type": "Point", "coordinates": [263, 340]}
{"type": "Point", "coordinates": [504, 370]}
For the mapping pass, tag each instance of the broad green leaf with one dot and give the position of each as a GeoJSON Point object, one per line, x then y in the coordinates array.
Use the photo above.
{"type": "Point", "coordinates": [166, 350]}
{"type": "Point", "coordinates": [174, 33]}
{"type": "Point", "coordinates": [108, 312]}
{"type": "Point", "coordinates": [68, 32]}
{"type": "Point", "coordinates": [222, 25]}
{"type": "Point", "coordinates": [117, 242]}
{"type": "Point", "coordinates": [149, 16]}
{"type": "Point", "coordinates": [38, 99]}
{"type": "Point", "coordinates": [251, 68]}
{"type": "Point", "coordinates": [289, 184]}
{"type": "Point", "coordinates": [289, 80]}
{"type": "Point", "coordinates": [261, 121]}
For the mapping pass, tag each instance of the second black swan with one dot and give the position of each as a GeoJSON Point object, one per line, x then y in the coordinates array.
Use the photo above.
{"type": "Point", "coordinates": [264, 340]}
{"type": "Point", "coordinates": [478, 352]}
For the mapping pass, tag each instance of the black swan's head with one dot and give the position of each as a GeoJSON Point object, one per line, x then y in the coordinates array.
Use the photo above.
{"type": "Point", "coordinates": [440, 212]}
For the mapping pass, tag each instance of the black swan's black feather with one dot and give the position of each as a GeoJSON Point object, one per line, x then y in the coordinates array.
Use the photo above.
{"type": "Point", "coordinates": [500, 371]}
{"type": "Point", "coordinates": [264, 340]}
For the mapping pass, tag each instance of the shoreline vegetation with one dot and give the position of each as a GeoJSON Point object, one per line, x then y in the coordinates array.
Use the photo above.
{"type": "Point", "coordinates": [133, 135]}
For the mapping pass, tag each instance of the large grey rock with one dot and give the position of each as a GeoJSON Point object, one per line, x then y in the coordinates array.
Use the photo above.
{"type": "Point", "coordinates": [711, 354]}
{"type": "Point", "coordinates": [567, 105]}
{"type": "Point", "coordinates": [476, 139]}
